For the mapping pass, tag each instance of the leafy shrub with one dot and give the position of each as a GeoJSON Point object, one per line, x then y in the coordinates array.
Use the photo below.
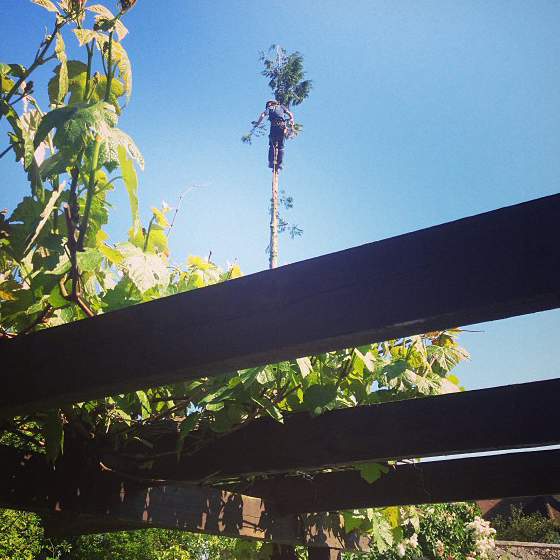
{"type": "Point", "coordinates": [526, 528]}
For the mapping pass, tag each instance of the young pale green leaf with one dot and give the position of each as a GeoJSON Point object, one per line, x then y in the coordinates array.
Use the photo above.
{"type": "Point", "coordinates": [7, 83]}
{"type": "Point", "coordinates": [101, 10]}
{"type": "Point", "coordinates": [304, 365]}
{"type": "Point", "coordinates": [382, 534]}
{"type": "Point", "coordinates": [371, 472]}
{"type": "Point", "coordinates": [125, 71]}
{"type": "Point", "coordinates": [448, 387]}
{"type": "Point", "coordinates": [365, 359]}
{"type": "Point", "coordinates": [77, 78]}
{"type": "Point", "coordinates": [266, 376]}
{"type": "Point", "coordinates": [111, 254]}
{"type": "Point", "coordinates": [146, 270]}
{"type": "Point", "coordinates": [84, 35]}
{"type": "Point", "coordinates": [63, 71]}
{"type": "Point", "coordinates": [131, 183]}
{"type": "Point", "coordinates": [157, 241]}
{"type": "Point", "coordinates": [47, 4]}
{"type": "Point", "coordinates": [447, 356]}
{"type": "Point", "coordinates": [144, 403]}
{"type": "Point", "coordinates": [118, 138]}
{"type": "Point", "coordinates": [160, 218]}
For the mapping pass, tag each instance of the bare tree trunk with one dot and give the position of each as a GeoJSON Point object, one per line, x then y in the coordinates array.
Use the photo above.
{"type": "Point", "coordinates": [273, 258]}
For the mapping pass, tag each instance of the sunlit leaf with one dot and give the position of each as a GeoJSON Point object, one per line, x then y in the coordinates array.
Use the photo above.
{"type": "Point", "coordinates": [131, 183]}
{"type": "Point", "coordinates": [371, 472]}
{"type": "Point", "coordinates": [46, 4]}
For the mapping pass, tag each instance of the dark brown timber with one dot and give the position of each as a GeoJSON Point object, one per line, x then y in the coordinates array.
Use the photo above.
{"type": "Point", "coordinates": [500, 418]}
{"type": "Point", "coordinates": [78, 500]}
{"type": "Point", "coordinates": [494, 265]}
{"type": "Point", "coordinates": [478, 478]}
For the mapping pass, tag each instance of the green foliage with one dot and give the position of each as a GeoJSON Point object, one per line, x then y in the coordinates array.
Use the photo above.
{"type": "Point", "coordinates": [286, 76]}
{"type": "Point", "coordinates": [57, 267]}
{"type": "Point", "coordinates": [22, 538]}
{"type": "Point", "coordinates": [430, 532]}
{"type": "Point", "coordinates": [150, 544]}
{"type": "Point", "coordinates": [526, 528]}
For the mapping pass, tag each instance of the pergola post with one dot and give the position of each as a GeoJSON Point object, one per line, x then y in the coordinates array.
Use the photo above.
{"type": "Point", "coordinates": [284, 552]}
{"type": "Point", "coordinates": [323, 554]}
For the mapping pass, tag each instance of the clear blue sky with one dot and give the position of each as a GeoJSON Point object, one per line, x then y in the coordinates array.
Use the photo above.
{"type": "Point", "coordinates": [422, 112]}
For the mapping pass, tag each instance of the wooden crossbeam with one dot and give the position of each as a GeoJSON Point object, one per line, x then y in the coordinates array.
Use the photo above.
{"type": "Point", "coordinates": [494, 265]}
{"type": "Point", "coordinates": [500, 418]}
{"type": "Point", "coordinates": [77, 500]}
{"type": "Point", "coordinates": [533, 473]}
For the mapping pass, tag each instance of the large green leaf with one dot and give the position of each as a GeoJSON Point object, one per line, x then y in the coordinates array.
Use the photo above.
{"type": "Point", "coordinates": [88, 259]}
{"type": "Point", "coordinates": [77, 76]}
{"type": "Point", "coordinates": [113, 140]}
{"type": "Point", "coordinates": [371, 472]}
{"type": "Point", "coordinates": [16, 70]}
{"type": "Point", "coordinates": [54, 165]}
{"type": "Point", "coordinates": [46, 4]}
{"type": "Point", "coordinates": [25, 148]}
{"type": "Point", "coordinates": [317, 397]}
{"type": "Point", "coordinates": [53, 434]}
{"type": "Point", "coordinates": [381, 533]}
{"type": "Point", "coordinates": [146, 270]}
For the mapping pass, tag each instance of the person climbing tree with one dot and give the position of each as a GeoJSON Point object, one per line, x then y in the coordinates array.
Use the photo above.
{"type": "Point", "coordinates": [280, 118]}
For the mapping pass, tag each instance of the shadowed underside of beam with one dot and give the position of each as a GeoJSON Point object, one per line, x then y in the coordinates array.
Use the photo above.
{"type": "Point", "coordinates": [479, 478]}
{"type": "Point", "coordinates": [500, 418]}
{"type": "Point", "coordinates": [491, 266]}
{"type": "Point", "coordinates": [75, 499]}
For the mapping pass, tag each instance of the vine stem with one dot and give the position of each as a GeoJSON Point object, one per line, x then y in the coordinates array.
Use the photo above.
{"type": "Point", "coordinates": [90, 191]}
{"type": "Point", "coordinates": [6, 150]}
{"type": "Point", "coordinates": [39, 60]}
{"type": "Point", "coordinates": [89, 48]}
{"type": "Point", "coordinates": [109, 67]}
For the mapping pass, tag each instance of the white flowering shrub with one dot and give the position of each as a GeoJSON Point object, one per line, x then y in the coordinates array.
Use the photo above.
{"type": "Point", "coordinates": [447, 531]}
{"type": "Point", "coordinates": [483, 535]}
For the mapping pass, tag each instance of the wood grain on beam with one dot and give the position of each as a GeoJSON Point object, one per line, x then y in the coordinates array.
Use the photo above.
{"type": "Point", "coordinates": [75, 500]}
{"type": "Point", "coordinates": [500, 418]}
{"type": "Point", "coordinates": [478, 478]}
{"type": "Point", "coordinates": [494, 265]}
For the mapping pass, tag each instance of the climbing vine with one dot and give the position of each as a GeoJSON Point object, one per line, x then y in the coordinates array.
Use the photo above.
{"type": "Point", "coordinates": [56, 266]}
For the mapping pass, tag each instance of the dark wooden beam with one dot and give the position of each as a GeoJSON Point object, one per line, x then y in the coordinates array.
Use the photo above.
{"type": "Point", "coordinates": [500, 418]}
{"type": "Point", "coordinates": [494, 265]}
{"type": "Point", "coordinates": [75, 499]}
{"type": "Point", "coordinates": [533, 473]}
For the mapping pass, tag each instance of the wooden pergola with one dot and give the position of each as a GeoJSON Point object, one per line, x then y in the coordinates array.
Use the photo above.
{"type": "Point", "coordinates": [491, 266]}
